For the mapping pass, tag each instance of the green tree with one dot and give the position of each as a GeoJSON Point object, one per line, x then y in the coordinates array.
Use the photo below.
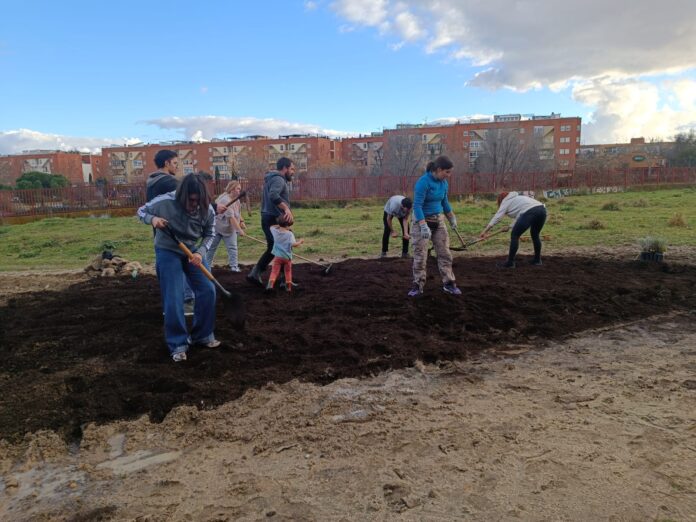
{"type": "Point", "coordinates": [684, 152]}
{"type": "Point", "coordinates": [37, 180]}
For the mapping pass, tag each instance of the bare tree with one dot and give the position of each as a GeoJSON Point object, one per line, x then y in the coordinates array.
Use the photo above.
{"type": "Point", "coordinates": [336, 170]}
{"type": "Point", "coordinates": [505, 152]}
{"type": "Point", "coordinates": [250, 166]}
{"type": "Point", "coordinates": [405, 155]}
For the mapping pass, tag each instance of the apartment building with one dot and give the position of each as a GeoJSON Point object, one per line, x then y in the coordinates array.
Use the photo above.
{"type": "Point", "coordinates": [248, 157]}
{"type": "Point", "coordinates": [635, 154]}
{"type": "Point", "coordinates": [556, 139]}
{"type": "Point", "coordinates": [68, 164]}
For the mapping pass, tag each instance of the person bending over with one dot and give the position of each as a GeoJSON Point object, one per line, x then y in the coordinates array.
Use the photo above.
{"type": "Point", "coordinates": [397, 207]}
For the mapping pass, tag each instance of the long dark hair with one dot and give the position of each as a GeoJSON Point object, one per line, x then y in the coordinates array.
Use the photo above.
{"type": "Point", "coordinates": [194, 184]}
{"type": "Point", "coordinates": [441, 162]}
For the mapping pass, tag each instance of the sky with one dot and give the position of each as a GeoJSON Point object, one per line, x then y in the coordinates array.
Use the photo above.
{"type": "Point", "coordinates": [82, 75]}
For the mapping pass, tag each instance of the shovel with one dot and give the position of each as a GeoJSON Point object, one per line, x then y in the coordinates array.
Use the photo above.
{"type": "Point", "coordinates": [236, 310]}
{"type": "Point", "coordinates": [467, 244]}
{"type": "Point", "coordinates": [327, 268]}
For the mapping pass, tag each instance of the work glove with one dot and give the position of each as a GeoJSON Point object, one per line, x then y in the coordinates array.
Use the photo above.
{"type": "Point", "coordinates": [453, 221]}
{"type": "Point", "coordinates": [425, 231]}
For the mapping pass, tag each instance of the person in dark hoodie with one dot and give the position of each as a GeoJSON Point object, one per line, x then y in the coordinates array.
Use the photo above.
{"type": "Point", "coordinates": [274, 203]}
{"type": "Point", "coordinates": [189, 214]}
{"type": "Point", "coordinates": [163, 180]}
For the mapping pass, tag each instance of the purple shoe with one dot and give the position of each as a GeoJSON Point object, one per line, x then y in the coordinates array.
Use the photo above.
{"type": "Point", "coordinates": [415, 291]}
{"type": "Point", "coordinates": [451, 289]}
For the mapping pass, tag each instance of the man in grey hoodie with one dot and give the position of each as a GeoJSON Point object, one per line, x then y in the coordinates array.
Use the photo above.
{"type": "Point", "coordinates": [275, 202]}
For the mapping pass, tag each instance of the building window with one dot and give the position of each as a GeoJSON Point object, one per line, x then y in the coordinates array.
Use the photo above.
{"type": "Point", "coordinates": [565, 128]}
{"type": "Point", "coordinates": [538, 130]}
{"type": "Point", "coordinates": [466, 133]}
{"type": "Point", "coordinates": [564, 163]}
{"type": "Point", "coordinates": [476, 144]}
{"type": "Point", "coordinates": [565, 140]}
{"type": "Point", "coordinates": [578, 128]}
{"type": "Point", "coordinates": [137, 164]}
{"type": "Point", "coordinates": [564, 151]}
{"type": "Point", "coordinates": [577, 139]}
{"type": "Point", "coordinates": [188, 169]}
{"type": "Point", "coordinates": [521, 130]}
{"type": "Point", "coordinates": [473, 155]}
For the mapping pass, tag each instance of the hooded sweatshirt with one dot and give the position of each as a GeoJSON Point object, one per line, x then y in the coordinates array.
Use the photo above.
{"type": "Point", "coordinates": [514, 205]}
{"type": "Point", "coordinates": [189, 228]}
{"type": "Point", "coordinates": [159, 183]}
{"type": "Point", "coordinates": [275, 192]}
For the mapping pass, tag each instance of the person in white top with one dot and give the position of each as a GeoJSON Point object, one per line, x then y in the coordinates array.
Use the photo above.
{"type": "Point", "coordinates": [228, 226]}
{"type": "Point", "coordinates": [397, 207]}
{"type": "Point", "coordinates": [527, 213]}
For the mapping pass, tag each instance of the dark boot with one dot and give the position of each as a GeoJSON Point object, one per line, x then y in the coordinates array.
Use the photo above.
{"type": "Point", "coordinates": [254, 277]}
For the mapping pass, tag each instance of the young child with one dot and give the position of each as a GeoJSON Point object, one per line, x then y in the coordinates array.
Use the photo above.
{"type": "Point", "coordinates": [228, 226]}
{"type": "Point", "coordinates": [283, 243]}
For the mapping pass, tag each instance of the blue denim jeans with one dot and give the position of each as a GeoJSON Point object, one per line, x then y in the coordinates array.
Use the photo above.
{"type": "Point", "coordinates": [172, 269]}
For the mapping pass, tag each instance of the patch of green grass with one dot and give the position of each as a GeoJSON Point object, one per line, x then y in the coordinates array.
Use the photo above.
{"type": "Point", "coordinates": [356, 230]}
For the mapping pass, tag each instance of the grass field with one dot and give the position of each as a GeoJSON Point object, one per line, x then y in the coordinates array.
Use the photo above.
{"type": "Point", "coordinates": [355, 229]}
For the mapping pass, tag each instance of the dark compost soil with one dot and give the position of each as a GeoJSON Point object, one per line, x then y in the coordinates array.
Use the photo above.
{"type": "Point", "coordinates": [95, 351]}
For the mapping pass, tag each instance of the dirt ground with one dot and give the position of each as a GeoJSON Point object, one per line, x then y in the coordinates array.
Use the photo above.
{"type": "Point", "coordinates": [561, 392]}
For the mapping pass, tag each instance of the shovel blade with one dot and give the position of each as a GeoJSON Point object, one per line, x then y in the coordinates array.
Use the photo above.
{"type": "Point", "coordinates": [235, 310]}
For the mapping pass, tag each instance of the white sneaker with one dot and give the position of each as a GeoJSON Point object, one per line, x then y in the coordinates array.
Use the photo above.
{"type": "Point", "coordinates": [179, 356]}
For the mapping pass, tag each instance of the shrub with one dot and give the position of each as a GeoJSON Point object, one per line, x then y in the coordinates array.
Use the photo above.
{"type": "Point", "coordinates": [595, 224]}
{"type": "Point", "coordinates": [677, 220]}
{"type": "Point", "coordinates": [653, 244]}
{"type": "Point", "coordinates": [639, 203]}
{"type": "Point", "coordinates": [611, 205]}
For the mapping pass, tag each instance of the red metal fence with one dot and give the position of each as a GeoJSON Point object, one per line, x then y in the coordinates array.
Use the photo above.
{"type": "Point", "coordinates": [91, 198]}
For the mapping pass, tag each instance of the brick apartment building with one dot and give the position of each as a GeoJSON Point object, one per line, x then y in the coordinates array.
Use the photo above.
{"type": "Point", "coordinates": [636, 154]}
{"type": "Point", "coordinates": [557, 140]}
{"type": "Point", "coordinates": [249, 157]}
{"type": "Point", "coordinates": [68, 164]}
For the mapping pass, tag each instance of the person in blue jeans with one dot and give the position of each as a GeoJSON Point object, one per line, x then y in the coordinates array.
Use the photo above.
{"type": "Point", "coordinates": [160, 182]}
{"type": "Point", "coordinates": [188, 213]}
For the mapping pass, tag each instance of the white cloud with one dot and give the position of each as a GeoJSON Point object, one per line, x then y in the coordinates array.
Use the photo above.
{"type": "Point", "coordinates": [310, 6]}
{"type": "Point", "coordinates": [596, 48]}
{"type": "Point", "coordinates": [363, 12]}
{"type": "Point", "coordinates": [208, 127]}
{"type": "Point", "coordinates": [407, 25]}
{"type": "Point", "coordinates": [16, 141]}
{"type": "Point", "coordinates": [631, 108]}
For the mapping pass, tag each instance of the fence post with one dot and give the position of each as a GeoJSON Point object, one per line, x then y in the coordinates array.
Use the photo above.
{"type": "Point", "coordinates": [355, 188]}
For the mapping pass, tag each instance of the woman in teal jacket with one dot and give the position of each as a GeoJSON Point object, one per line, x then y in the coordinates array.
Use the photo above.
{"type": "Point", "coordinates": [430, 206]}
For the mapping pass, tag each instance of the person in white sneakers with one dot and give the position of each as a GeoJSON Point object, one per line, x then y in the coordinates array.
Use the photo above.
{"type": "Point", "coordinates": [527, 213]}
{"type": "Point", "coordinates": [228, 226]}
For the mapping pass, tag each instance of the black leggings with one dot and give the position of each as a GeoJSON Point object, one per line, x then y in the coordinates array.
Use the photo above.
{"type": "Point", "coordinates": [533, 219]}
{"type": "Point", "coordinates": [387, 233]}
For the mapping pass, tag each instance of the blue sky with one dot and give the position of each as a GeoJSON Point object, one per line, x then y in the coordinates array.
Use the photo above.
{"type": "Point", "coordinates": [84, 74]}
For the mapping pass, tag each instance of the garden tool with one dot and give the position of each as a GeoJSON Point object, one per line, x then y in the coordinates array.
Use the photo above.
{"type": "Point", "coordinates": [327, 268]}
{"type": "Point", "coordinates": [236, 309]}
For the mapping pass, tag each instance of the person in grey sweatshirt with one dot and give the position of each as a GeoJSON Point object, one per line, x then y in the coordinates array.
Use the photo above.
{"type": "Point", "coordinates": [188, 213]}
{"type": "Point", "coordinates": [275, 202]}
{"type": "Point", "coordinates": [526, 213]}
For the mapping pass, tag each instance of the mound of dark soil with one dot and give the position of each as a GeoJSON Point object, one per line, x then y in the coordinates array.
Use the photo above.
{"type": "Point", "coordinates": [95, 352]}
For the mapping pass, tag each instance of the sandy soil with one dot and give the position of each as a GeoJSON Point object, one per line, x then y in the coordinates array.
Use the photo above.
{"type": "Point", "coordinates": [597, 426]}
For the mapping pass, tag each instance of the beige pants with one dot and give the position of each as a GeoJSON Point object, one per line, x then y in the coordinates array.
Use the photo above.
{"type": "Point", "coordinates": [441, 244]}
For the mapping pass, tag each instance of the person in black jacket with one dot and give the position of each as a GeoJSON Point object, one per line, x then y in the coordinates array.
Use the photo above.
{"type": "Point", "coordinates": [163, 180]}
{"type": "Point", "coordinates": [274, 203]}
